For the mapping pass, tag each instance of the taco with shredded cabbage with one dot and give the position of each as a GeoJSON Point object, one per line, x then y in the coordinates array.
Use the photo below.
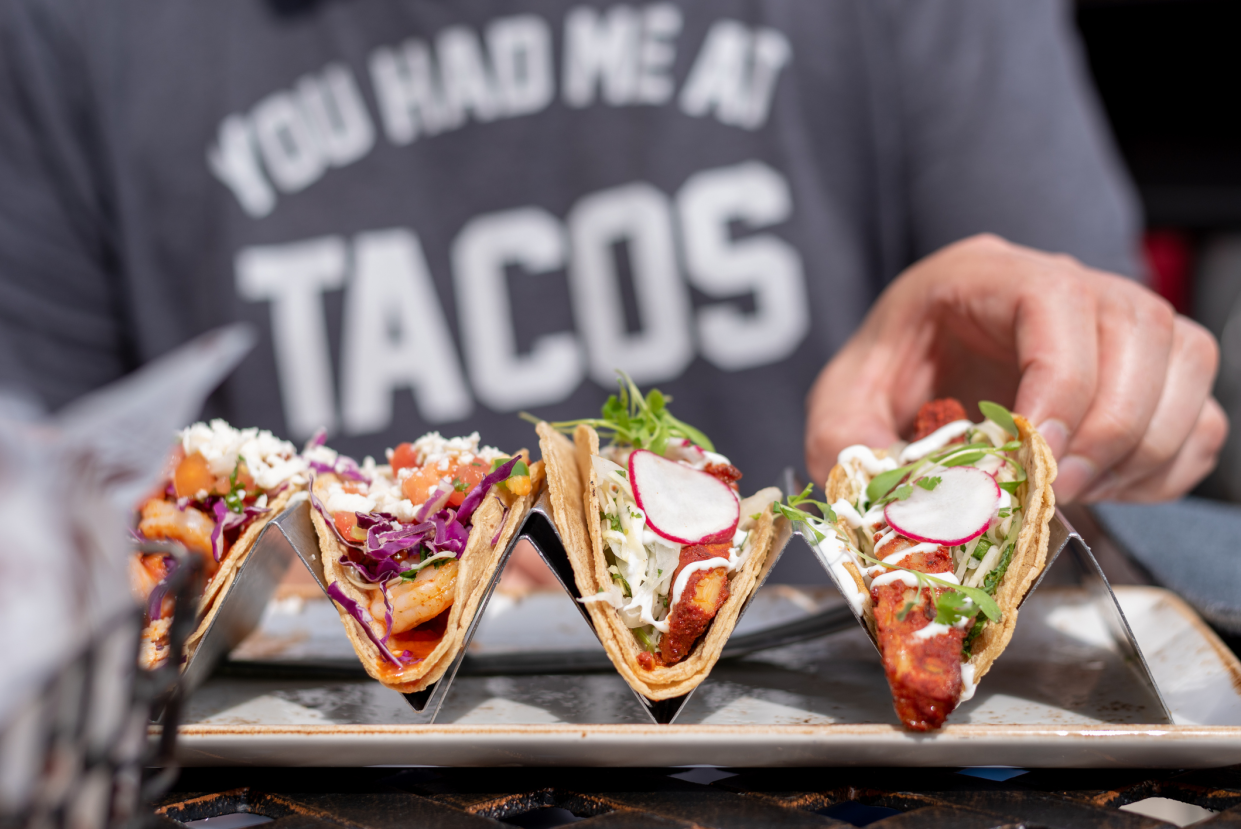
{"type": "Point", "coordinates": [935, 544]}
{"type": "Point", "coordinates": [665, 551]}
{"type": "Point", "coordinates": [410, 547]}
{"type": "Point", "coordinates": [222, 487]}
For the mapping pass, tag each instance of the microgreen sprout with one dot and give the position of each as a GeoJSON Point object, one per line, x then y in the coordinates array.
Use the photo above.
{"type": "Point", "coordinates": [998, 415]}
{"type": "Point", "coordinates": [235, 500]}
{"type": "Point", "coordinates": [629, 419]}
{"type": "Point", "coordinates": [794, 512]}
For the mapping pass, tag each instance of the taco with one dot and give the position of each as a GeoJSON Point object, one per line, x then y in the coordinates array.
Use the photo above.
{"type": "Point", "coordinates": [665, 552]}
{"type": "Point", "coordinates": [410, 547]}
{"type": "Point", "coordinates": [936, 543]}
{"type": "Point", "coordinates": [222, 487]}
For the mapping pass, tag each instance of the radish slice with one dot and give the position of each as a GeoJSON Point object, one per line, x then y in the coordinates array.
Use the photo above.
{"type": "Point", "coordinates": [958, 510]}
{"type": "Point", "coordinates": [682, 504]}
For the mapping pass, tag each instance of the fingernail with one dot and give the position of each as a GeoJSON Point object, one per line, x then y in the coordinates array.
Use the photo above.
{"type": "Point", "coordinates": [1075, 473]}
{"type": "Point", "coordinates": [1056, 434]}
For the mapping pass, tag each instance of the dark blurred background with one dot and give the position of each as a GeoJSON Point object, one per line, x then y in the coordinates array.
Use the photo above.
{"type": "Point", "coordinates": [1168, 72]}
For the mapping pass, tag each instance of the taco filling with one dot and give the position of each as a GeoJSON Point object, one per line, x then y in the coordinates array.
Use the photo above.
{"type": "Point", "coordinates": [401, 531]}
{"type": "Point", "coordinates": [665, 552]}
{"type": "Point", "coordinates": [222, 486]}
{"type": "Point", "coordinates": [665, 592]}
{"type": "Point", "coordinates": [935, 543]}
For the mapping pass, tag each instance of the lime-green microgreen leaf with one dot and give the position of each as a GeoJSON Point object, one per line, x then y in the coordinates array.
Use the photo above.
{"type": "Point", "coordinates": [998, 415]}
{"type": "Point", "coordinates": [929, 483]}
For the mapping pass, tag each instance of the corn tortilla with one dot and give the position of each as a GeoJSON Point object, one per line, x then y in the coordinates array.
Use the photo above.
{"type": "Point", "coordinates": [1029, 557]}
{"type": "Point", "coordinates": [572, 483]}
{"type": "Point", "coordinates": [475, 569]}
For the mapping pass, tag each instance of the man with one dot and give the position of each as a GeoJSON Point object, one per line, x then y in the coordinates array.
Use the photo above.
{"type": "Point", "coordinates": [439, 214]}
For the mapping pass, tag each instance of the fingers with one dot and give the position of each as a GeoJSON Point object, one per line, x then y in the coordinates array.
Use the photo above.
{"type": "Point", "coordinates": [1057, 351]}
{"type": "Point", "coordinates": [1193, 462]}
{"type": "Point", "coordinates": [1178, 416]}
{"type": "Point", "coordinates": [1135, 340]}
{"type": "Point", "coordinates": [849, 405]}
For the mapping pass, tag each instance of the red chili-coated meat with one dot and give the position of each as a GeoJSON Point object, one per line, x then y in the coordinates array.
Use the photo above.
{"type": "Point", "coordinates": [705, 592]}
{"type": "Point", "coordinates": [937, 413]}
{"type": "Point", "coordinates": [726, 472]}
{"type": "Point", "coordinates": [924, 674]}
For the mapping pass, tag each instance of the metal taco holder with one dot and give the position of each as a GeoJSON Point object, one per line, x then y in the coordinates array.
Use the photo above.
{"type": "Point", "coordinates": [540, 528]}
{"type": "Point", "coordinates": [1090, 575]}
{"type": "Point", "coordinates": [298, 533]}
{"type": "Point", "coordinates": [241, 604]}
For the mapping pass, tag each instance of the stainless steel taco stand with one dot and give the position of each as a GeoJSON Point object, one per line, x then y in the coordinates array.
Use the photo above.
{"type": "Point", "coordinates": [540, 529]}
{"type": "Point", "coordinates": [298, 533]}
{"type": "Point", "coordinates": [1088, 573]}
{"type": "Point", "coordinates": [241, 604]}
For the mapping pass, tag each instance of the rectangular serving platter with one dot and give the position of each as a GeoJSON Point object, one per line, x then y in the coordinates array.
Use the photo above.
{"type": "Point", "coordinates": [1062, 695]}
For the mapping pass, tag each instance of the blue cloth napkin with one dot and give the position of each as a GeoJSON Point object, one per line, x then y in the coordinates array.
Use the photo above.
{"type": "Point", "coordinates": [1191, 546]}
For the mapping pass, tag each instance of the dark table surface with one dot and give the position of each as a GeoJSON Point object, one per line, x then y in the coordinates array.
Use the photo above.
{"type": "Point", "coordinates": [385, 798]}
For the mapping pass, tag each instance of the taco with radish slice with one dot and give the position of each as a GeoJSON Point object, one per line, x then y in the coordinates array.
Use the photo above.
{"type": "Point", "coordinates": [935, 544]}
{"type": "Point", "coordinates": [665, 551]}
{"type": "Point", "coordinates": [223, 486]}
{"type": "Point", "coordinates": [410, 547]}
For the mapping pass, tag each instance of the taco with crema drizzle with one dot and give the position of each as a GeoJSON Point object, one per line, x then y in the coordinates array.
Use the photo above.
{"type": "Point", "coordinates": [665, 551]}
{"type": "Point", "coordinates": [936, 543]}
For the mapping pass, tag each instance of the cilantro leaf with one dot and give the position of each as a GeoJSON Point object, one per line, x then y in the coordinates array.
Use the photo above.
{"type": "Point", "coordinates": [929, 483]}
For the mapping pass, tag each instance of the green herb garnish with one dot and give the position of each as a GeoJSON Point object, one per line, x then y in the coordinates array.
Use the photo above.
{"type": "Point", "coordinates": [980, 597]}
{"type": "Point", "coordinates": [519, 469]}
{"type": "Point", "coordinates": [794, 512]}
{"type": "Point", "coordinates": [235, 500]}
{"type": "Point", "coordinates": [645, 638]}
{"type": "Point", "coordinates": [629, 419]}
{"type": "Point", "coordinates": [929, 483]}
{"type": "Point", "coordinates": [998, 415]}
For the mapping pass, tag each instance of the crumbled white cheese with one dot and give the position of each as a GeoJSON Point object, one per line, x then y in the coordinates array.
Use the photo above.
{"type": "Point", "coordinates": [269, 460]}
{"type": "Point", "coordinates": [434, 448]}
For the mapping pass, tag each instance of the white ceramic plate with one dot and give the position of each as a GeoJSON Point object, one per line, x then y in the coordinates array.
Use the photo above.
{"type": "Point", "coordinates": [1059, 696]}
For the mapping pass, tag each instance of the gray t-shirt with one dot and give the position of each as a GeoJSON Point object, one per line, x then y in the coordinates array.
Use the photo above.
{"type": "Point", "coordinates": [439, 214]}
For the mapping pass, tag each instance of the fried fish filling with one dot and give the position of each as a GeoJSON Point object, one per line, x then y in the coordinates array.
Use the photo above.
{"type": "Point", "coordinates": [705, 592]}
{"type": "Point", "coordinates": [924, 673]}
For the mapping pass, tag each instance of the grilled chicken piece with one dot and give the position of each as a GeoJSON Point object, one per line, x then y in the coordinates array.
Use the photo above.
{"type": "Point", "coordinates": [705, 592]}
{"type": "Point", "coordinates": [923, 673]}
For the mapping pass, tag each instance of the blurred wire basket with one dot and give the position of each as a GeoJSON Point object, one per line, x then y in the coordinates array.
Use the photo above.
{"type": "Point", "coordinates": [76, 754]}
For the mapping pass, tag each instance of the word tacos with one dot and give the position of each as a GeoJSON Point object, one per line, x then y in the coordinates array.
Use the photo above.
{"type": "Point", "coordinates": [410, 547]}
{"type": "Point", "coordinates": [936, 545]}
{"type": "Point", "coordinates": [665, 553]}
{"type": "Point", "coordinates": [223, 486]}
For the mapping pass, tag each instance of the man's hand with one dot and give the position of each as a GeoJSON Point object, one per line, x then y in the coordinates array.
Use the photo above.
{"type": "Point", "coordinates": [1117, 383]}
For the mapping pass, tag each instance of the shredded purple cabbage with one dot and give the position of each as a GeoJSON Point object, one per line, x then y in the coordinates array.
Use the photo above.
{"type": "Point", "coordinates": [434, 503]}
{"type": "Point", "coordinates": [225, 520]}
{"type": "Point", "coordinates": [476, 496]}
{"type": "Point", "coordinates": [344, 466]}
{"type": "Point", "coordinates": [364, 618]}
{"type": "Point", "coordinates": [136, 535]}
{"type": "Point", "coordinates": [182, 503]}
{"type": "Point", "coordinates": [437, 529]}
{"type": "Point", "coordinates": [156, 600]}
